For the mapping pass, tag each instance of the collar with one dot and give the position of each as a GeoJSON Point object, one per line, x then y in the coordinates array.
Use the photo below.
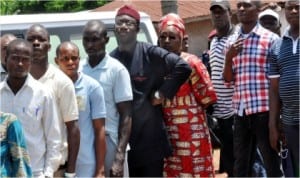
{"type": "Point", "coordinates": [2, 69]}
{"type": "Point", "coordinates": [286, 34]}
{"type": "Point", "coordinates": [102, 65]}
{"type": "Point", "coordinates": [256, 30]}
{"type": "Point", "coordinates": [27, 83]}
{"type": "Point", "coordinates": [78, 84]}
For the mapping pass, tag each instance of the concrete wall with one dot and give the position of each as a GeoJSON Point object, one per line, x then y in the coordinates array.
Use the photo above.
{"type": "Point", "coordinates": [198, 33]}
{"type": "Point", "coordinates": [199, 30]}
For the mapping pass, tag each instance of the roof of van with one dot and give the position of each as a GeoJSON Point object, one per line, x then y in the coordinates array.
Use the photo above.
{"type": "Point", "coordinates": [8, 22]}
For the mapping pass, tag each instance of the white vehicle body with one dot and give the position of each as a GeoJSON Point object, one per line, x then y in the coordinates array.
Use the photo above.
{"type": "Point", "coordinates": [69, 26]}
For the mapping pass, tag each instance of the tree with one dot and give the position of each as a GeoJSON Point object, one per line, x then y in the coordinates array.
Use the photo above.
{"type": "Point", "coordinates": [50, 6]}
{"type": "Point", "coordinates": [168, 6]}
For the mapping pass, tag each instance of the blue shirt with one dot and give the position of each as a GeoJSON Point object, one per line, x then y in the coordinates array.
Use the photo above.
{"type": "Point", "coordinates": [285, 66]}
{"type": "Point", "coordinates": [115, 81]}
{"type": "Point", "coordinates": [91, 105]}
{"type": "Point", "coordinates": [14, 161]}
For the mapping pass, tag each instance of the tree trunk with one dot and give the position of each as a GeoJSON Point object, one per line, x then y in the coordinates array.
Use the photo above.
{"type": "Point", "coordinates": [168, 6]}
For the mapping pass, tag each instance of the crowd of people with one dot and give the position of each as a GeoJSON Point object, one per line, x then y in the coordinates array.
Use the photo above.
{"type": "Point", "coordinates": [141, 110]}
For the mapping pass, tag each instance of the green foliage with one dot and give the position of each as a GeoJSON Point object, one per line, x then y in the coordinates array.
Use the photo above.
{"type": "Point", "coordinates": [7, 7]}
{"type": "Point", "coordinates": [50, 6]}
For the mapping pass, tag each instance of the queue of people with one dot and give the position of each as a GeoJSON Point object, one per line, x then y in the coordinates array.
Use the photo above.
{"type": "Point", "coordinates": [140, 111]}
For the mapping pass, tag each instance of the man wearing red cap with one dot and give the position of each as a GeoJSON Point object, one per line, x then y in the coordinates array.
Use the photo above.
{"type": "Point", "coordinates": [156, 73]}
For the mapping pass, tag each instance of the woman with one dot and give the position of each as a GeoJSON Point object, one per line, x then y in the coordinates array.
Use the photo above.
{"type": "Point", "coordinates": [185, 114]}
{"type": "Point", "coordinates": [14, 158]}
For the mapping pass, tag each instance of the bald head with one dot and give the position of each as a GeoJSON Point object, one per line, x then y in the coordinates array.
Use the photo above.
{"type": "Point", "coordinates": [38, 28]}
{"type": "Point", "coordinates": [4, 41]}
{"type": "Point", "coordinates": [18, 58]}
{"type": "Point", "coordinates": [67, 58]}
{"type": "Point", "coordinates": [67, 45]}
{"type": "Point", "coordinates": [95, 25]}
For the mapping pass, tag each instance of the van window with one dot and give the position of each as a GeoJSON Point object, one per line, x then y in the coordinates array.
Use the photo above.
{"type": "Point", "coordinates": [68, 27]}
{"type": "Point", "coordinates": [55, 41]}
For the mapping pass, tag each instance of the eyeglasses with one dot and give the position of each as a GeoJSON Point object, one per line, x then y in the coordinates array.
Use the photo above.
{"type": "Point", "coordinates": [128, 23]}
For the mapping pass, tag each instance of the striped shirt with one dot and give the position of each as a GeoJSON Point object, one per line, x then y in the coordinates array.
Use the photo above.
{"type": "Point", "coordinates": [285, 66]}
{"type": "Point", "coordinates": [223, 107]}
{"type": "Point", "coordinates": [250, 70]}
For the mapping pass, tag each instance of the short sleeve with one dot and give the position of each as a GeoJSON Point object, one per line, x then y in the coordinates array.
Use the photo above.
{"type": "Point", "coordinates": [273, 60]}
{"type": "Point", "coordinates": [122, 88]}
{"type": "Point", "coordinates": [97, 101]}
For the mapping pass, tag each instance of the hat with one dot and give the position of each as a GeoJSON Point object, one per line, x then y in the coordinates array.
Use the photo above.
{"type": "Point", "coordinates": [224, 4]}
{"type": "Point", "coordinates": [130, 11]}
{"type": "Point", "coordinates": [269, 12]}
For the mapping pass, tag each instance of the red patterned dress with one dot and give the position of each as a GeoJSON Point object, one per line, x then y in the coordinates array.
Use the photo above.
{"type": "Point", "coordinates": [185, 119]}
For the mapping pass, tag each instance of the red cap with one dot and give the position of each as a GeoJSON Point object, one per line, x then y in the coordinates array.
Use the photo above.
{"type": "Point", "coordinates": [130, 11]}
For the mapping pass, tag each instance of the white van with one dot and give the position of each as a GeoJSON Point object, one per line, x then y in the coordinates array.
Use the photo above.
{"type": "Point", "coordinates": [69, 26]}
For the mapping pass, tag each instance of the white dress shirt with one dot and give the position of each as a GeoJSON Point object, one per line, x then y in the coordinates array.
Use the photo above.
{"type": "Point", "coordinates": [35, 108]}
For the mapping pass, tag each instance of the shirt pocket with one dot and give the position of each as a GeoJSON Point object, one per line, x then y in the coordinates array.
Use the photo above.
{"type": "Point", "coordinates": [31, 117]}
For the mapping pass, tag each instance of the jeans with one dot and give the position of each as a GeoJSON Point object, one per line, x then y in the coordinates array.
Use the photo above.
{"type": "Point", "coordinates": [249, 133]}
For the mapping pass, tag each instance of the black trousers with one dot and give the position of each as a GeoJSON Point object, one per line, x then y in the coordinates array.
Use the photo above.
{"type": "Point", "coordinates": [225, 134]}
{"type": "Point", "coordinates": [152, 169]}
{"type": "Point", "coordinates": [251, 131]}
{"type": "Point", "coordinates": [292, 136]}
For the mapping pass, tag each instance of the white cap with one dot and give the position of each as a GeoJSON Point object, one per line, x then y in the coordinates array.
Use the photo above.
{"type": "Point", "coordinates": [269, 12]}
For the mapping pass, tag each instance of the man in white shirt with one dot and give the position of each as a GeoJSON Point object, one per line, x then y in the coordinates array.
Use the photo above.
{"type": "Point", "coordinates": [63, 91]}
{"type": "Point", "coordinates": [29, 100]}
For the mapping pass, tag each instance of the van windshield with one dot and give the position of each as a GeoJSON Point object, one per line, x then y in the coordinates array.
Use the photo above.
{"type": "Point", "coordinates": [77, 39]}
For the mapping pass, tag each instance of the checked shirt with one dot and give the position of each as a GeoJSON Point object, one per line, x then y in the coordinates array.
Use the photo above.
{"type": "Point", "coordinates": [250, 68]}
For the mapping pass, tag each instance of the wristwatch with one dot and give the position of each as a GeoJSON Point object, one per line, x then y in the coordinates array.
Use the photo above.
{"type": "Point", "coordinates": [156, 95]}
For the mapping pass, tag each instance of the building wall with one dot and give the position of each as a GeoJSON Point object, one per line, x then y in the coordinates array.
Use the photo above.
{"type": "Point", "coordinates": [198, 32]}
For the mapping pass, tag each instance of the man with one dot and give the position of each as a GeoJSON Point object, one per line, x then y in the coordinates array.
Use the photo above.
{"type": "Point", "coordinates": [15, 161]}
{"type": "Point", "coordinates": [92, 113]}
{"type": "Point", "coordinates": [4, 41]}
{"type": "Point", "coordinates": [29, 100]}
{"type": "Point", "coordinates": [270, 20]}
{"type": "Point", "coordinates": [284, 86]}
{"type": "Point", "coordinates": [115, 80]}
{"type": "Point", "coordinates": [222, 109]}
{"type": "Point", "coordinates": [246, 64]}
{"type": "Point", "coordinates": [154, 73]}
{"type": "Point", "coordinates": [62, 89]}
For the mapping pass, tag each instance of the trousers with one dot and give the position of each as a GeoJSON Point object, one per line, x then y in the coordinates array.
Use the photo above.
{"type": "Point", "coordinates": [250, 132]}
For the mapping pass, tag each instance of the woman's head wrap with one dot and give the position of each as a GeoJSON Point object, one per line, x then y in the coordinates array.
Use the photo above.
{"type": "Point", "coordinates": [174, 20]}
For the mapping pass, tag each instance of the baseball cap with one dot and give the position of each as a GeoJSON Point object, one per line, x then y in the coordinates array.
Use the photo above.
{"type": "Point", "coordinates": [224, 4]}
{"type": "Point", "coordinates": [269, 12]}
